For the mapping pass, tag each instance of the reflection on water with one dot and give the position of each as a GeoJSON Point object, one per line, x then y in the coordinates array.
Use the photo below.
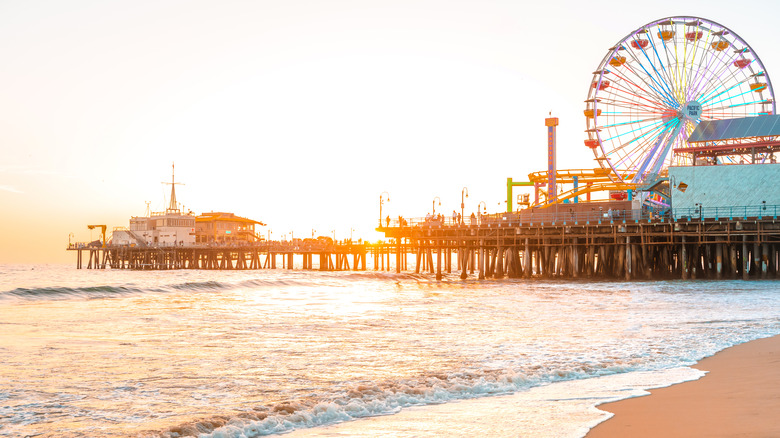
{"type": "Point", "coordinates": [91, 353]}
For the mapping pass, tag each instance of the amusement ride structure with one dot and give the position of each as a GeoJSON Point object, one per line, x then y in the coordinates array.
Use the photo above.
{"type": "Point", "coordinates": [647, 96]}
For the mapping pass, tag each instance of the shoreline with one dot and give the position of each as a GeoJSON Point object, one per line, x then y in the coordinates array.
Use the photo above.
{"type": "Point", "coordinates": [737, 397]}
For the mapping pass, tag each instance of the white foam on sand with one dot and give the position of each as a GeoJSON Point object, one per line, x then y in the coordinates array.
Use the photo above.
{"type": "Point", "coordinates": [562, 409]}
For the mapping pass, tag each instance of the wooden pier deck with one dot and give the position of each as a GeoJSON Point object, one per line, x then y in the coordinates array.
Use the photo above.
{"type": "Point", "coordinates": [262, 255]}
{"type": "Point", "coordinates": [616, 245]}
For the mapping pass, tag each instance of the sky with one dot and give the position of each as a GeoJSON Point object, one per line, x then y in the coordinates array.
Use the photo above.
{"type": "Point", "coordinates": [297, 113]}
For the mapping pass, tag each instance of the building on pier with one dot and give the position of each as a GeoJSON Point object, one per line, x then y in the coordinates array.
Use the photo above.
{"type": "Point", "coordinates": [173, 227]}
{"type": "Point", "coordinates": [168, 228]}
{"type": "Point", "coordinates": [734, 167]}
{"type": "Point", "coordinates": [220, 228]}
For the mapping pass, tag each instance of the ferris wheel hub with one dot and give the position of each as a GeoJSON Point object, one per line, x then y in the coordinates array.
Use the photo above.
{"type": "Point", "coordinates": [691, 111]}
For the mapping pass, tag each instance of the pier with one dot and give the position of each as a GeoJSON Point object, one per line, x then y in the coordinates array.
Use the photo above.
{"type": "Point", "coordinates": [741, 242]}
{"type": "Point", "coordinates": [239, 256]}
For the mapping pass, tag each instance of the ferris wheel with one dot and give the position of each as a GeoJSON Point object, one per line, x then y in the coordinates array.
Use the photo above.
{"type": "Point", "coordinates": [655, 85]}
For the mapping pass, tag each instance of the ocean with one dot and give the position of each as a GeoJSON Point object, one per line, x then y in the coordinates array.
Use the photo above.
{"type": "Point", "coordinates": [93, 353]}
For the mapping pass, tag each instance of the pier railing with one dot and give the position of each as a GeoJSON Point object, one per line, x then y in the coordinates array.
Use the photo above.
{"type": "Point", "coordinates": [731, 213]}
{"type": "Point", "coordinates": [600, 216]}
{"type": "Point", "coordinates": [274, 246]}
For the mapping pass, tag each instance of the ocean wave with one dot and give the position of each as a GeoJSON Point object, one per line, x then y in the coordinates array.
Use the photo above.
{"type": "Point", "coordinates": [108, 291]}
{"type": "Point", "coordinates": [70, 292]}
{"type": "Point", "coordinates": [300, 279]}
{"type": "Point", "coordinates": [295, 278]}
{"type": "Point", "coordinates": [201, 286]}
{"type": "Point", "coordinates": [369, 400]}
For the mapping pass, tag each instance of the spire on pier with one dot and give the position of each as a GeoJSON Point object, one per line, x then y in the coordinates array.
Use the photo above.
{"type": "Point", "coordinates": [173, 206]}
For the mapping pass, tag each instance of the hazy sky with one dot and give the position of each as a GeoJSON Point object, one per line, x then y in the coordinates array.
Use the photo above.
{"type": "Point", "coordinates": [297, 113]}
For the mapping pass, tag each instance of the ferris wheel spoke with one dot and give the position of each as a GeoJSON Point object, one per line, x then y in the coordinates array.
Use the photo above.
{"type": "Point", "coordinates": [713, 86]}
{"type": "Point", "coordinates": [667, 99]}
{"type": "Point", "coordinates": [658, 125]}
{"type": "Point", "coordinates": [646, 152]}
{"type": "Point", "coordinates": [731, 115]}
{"type": "Point", "coordinates": [628, 123]}
{"type": "Point", "coordinates": [695, 50]}
{"type": "Point", "coordinates": [676, 83]}
{"type": "Point", "coordinates": [661, 157]}
{"type": "Point", "coordinates": [658, 95]}
{"type": "Point", "coordinates": [635, 102]}
{"type": "Point", "coordinates": [685, 63]}
{"type": "Point", "coordinates": [721, 84]}
{"type": "Point", "coordinates": [713, 58]}
{"type": "Point", "coordinates": [678, 79]}
{"type": "Point", "coordinates": [643, 139]}
{"type": "Point", "coordinates": [682, 57]}
{"type": "Point", "coordinates": [634, 130]}
{"type": "Point", "coordinates": [729, 112]}
{"type": "Point", "coordinates": [694, 76]}
{"type": "Point", "coordinates": [629, 157]}
{"type": "Point", "coordinates": [652, 155]}
{"type": "Point", "coordinates": [730, 97]}
{"type": "Point", "coordinates": [665, 89]}
{"type": "Point", "coordinates": [736, 105]}
{"type": "Point", "coordinates": [650, 115]}
{"type": "Point", "coordinates": [704, 100]}
{"type": "Point", "coordinates": [699, 80]}
{"type": "Point", "coordinates": [651, 107]}
{"type": "Point", "coordinates": [671, 77]}
{"type": "Point", "coordinates": [628, 94]}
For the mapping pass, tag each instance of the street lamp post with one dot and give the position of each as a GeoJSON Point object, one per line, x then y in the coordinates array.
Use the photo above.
{"type": "Point", "coordinates": [462, 205]}
{"type": "Point", "coordinates": [381, 202]}
{"type": "Point", "coordinates": [484, 208]}
{"type": "Point", "coordinates": [434, 204]}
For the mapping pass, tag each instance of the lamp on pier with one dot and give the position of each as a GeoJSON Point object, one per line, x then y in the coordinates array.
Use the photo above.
{"type": "Point", "coordinates": [462, 205]}
{"type": "Point", "coordinates": [381, 202]}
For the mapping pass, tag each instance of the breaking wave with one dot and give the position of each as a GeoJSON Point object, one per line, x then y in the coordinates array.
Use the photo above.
{"type": "Point", "coordinates": [369, 400]}
{"type": "Point", "coordinates": [70, 292]}
{"type": "Point", "coordinates": [108, 291]}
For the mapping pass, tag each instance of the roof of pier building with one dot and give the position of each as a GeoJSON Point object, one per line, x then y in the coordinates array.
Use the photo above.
{"type": "Point", "coordinates": [727, 129]}
{"type": "Point", "coordinates": [226, 217]}
{"type": "Point", "coordinates": [746, 137]}
{"type": "Point", "coordinates": [224, 227]}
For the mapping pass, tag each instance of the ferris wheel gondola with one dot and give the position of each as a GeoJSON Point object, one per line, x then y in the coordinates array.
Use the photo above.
{"type": "Point", "coordinates": [655, 85]}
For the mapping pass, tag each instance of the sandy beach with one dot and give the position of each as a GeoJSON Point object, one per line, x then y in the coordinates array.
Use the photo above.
{"type": "Point", "coordinates": [739, 397]}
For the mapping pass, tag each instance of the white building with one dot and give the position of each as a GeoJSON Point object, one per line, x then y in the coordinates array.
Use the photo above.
{"type": "Point", "coordinates": [169, 228]}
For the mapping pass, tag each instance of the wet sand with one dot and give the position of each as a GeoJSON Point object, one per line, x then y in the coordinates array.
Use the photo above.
{"type": "Point", "coordinates": [739, 397]}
